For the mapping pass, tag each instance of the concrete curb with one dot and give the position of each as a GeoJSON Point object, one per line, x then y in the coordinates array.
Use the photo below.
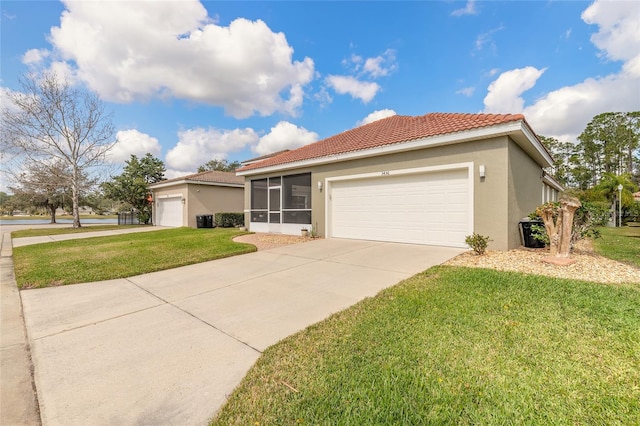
{"type": "Point", "coordinates": [18, 397]}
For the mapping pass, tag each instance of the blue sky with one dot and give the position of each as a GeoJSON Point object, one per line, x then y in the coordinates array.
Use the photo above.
{"type": "Point", "coordinates": [191, 81]}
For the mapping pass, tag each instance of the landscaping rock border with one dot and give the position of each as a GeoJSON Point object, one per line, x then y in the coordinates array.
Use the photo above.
{"type": "Point", "coordinates": [588, 266]}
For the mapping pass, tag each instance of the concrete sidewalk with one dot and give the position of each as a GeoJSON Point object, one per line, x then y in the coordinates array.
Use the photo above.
{"type": "Point", "coordinates": [169, 347]}
{"type": "Point", "coordinates": [18, 397]}
{"type": "Point", "coordinates": [18, 400]}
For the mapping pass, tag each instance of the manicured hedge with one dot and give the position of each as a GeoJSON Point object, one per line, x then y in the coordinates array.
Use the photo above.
{"type": "Point", "coordinates": [229, 220]}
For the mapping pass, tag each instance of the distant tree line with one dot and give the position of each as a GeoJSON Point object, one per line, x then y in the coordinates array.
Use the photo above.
{"type": "Point", "coordinates": [606, 156]}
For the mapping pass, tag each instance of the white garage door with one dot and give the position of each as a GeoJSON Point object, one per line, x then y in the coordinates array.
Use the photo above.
{"type": "Point", "coordinates": [424, 208]}
{"type": "Point", "coordinates": [169, 212]}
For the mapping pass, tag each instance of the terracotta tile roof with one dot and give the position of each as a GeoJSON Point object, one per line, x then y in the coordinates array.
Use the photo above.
{"type": "Point", "coordinates": [387, 131]}
{"type": "Point", "coordinates": [208, 177]}
{"type": "Point", "coordinates": [263, 157]}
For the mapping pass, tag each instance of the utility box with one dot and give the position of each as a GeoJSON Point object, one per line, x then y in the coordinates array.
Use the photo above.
{"type": "Point", "coordinates": [204, 221]}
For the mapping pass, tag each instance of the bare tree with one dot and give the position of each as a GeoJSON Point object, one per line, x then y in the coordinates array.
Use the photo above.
{"type": "Point", "coordinates": [49, 119]}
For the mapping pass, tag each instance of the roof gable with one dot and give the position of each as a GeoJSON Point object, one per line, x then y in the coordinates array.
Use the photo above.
{"type": "Point", "coordinates": [387, 131]}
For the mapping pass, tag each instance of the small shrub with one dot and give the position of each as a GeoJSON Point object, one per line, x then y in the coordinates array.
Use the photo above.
{"type": "Point", "coordinates": [477, 242]}
{"type": "Point", "coordinates": [539, 232]}
{"type": "Point", "coordinates": [229, 220]}
{"type": "Point", "coordinates": [598, 212]}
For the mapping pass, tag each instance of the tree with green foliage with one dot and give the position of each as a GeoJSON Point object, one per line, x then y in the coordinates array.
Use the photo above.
{"type": "Point", "coordinates": [7, 205]}
{"type": "Point", "coordinates": [49, 119]}
{"type": "Point", "coordinates": [563, 154]}
{"type": "Point", "coordinates": [219, 165]}
{"type": "Point", "coordinates": [132, 186]}
{"type": "Point", "coordinates": [608, 187]}
{"type": "Point", "coordinates": [47, 186]}
{"type": "Point", "coordinates": [610, 143]}
{"type": "Point", "coordinates": [99, 203]}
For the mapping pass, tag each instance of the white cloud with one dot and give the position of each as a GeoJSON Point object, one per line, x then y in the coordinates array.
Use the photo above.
{"type": "Point", "coordinates": [467, 91]}
{"type": "Point", "coordinates": [363, 90]}
{"type": "Point", "coordinates": [323, 97]}
{"type": "Point", "coordinates": [361, 70]}
{"type": "Point", "coordinates": [504, 92]}
{"type": "Point", "coordinates": [133, 142]}
{"type": "Point", "coordinates": [374, 67]}
{"type": "Point", "coordinates": [171, 173]}
{"type": "Point", "coordinates": [284, 135]}
{"type": "Point", "coordinates": [197, 146]}
{"type": "Point", "coordinates": [376, 115]}
{"type": "Point", "coordinates": [34, 56]}
{"type": "Point", "coordinates": [381, 65]}
{"type": "Point", "coordinates": [469, 9]}
{"type": "Point", "coordinates": [564, 113]}
{"type": "Point", "coordinates": [180, 52]}
{"type": "Point", "coordinates": [618, 36]}
{"type": "Point", "coordinates": [6, 96]}
{"type": "Point", "coordinates": [487, 38]}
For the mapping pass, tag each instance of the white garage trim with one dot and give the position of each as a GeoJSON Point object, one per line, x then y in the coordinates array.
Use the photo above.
{"type": "Point", "coordinates": [169, 210]}
{"type": "Point", "coordinates": [465, 180]}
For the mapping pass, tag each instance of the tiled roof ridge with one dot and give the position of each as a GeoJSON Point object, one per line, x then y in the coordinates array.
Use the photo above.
{"type": "Point", "coordinates": [388, 131]}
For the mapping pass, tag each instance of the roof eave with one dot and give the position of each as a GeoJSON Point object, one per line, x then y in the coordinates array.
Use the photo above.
{"type": "Point", "coordinates": [549, 180]}
{"type": "Point", "coordinates": [519, 131]}
{"type": "Point", "coordinates": [193, 182]}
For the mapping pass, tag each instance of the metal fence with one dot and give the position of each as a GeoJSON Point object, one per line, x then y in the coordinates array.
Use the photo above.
{"type": "Point", "coordinates": [128, 218]}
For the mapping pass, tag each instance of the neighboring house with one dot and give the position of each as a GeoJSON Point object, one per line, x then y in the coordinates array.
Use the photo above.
{"type": "Point", "coordinates": [177, 202]}
{"type": "Point", "coordinates": [432, 179]}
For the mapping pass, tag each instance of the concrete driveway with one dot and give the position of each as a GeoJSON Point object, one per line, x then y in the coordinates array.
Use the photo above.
{"type": "Point", "coordinates": [168, 347]}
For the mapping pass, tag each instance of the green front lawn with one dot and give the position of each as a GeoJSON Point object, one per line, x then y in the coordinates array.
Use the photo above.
{"type": "Point", "coordinates": [37, 232]}
{"type": "Point", "coordinates": [457, 346]}
{"type": "Point", "coordinates": [118, 256]}
{"type": "Point", "coordinates": [64, 216]}
{"type": "Point", "coordinates": [622, 244]}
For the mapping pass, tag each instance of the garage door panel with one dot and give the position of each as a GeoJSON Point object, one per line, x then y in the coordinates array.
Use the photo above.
{"type": "Point", "coordinates": [425, 208]}
{"type": "Point", "coordinates": [170, 212]}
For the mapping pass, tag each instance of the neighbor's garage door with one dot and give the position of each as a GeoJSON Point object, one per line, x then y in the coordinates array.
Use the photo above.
{"type": "Point", "coordinates": [169, 212]}
{"type": "Point", "coordinates": [424, 208]}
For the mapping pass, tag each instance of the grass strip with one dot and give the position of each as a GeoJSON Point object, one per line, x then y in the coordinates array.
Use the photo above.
{"type": "Point", "coordinates": [119, 256]}
{"type": "Point", "coordinates": [621, 244]}
{"type": "Point", "coordinates": [457, 346]}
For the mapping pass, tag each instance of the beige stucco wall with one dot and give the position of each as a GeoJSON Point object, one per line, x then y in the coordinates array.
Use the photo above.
{"type": "Point", "coordinates": [204, 199]}
{"type": "Point", "coordinates": [497, 205]}
{"type": "Point", "coordinates": [525, 190]}
{"type": "Point", "coordinates": [207, 199]}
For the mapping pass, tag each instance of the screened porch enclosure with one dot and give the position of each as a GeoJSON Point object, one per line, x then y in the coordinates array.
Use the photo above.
{"type": "Point", "coordinates": [281, 204]}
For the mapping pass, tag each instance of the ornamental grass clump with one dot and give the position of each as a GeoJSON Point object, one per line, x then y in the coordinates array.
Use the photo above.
{"type": "Point", "coordinates": [478, 243]}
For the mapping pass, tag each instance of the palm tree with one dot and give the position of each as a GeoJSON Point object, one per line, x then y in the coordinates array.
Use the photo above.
{"type": "Point", "coordinates": [608, 187]}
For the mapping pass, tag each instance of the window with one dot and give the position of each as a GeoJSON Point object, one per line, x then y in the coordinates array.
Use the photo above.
{"type": "Point", "coordinates": [549, 193]}
{"type": "Point", "coordinates": [297, 192]}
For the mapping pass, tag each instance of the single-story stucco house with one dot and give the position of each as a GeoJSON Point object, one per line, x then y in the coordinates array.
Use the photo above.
{"type": "Point", "coordinates": [431, 179]}
{"type": "Point", "coordinates": [177, 202]}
